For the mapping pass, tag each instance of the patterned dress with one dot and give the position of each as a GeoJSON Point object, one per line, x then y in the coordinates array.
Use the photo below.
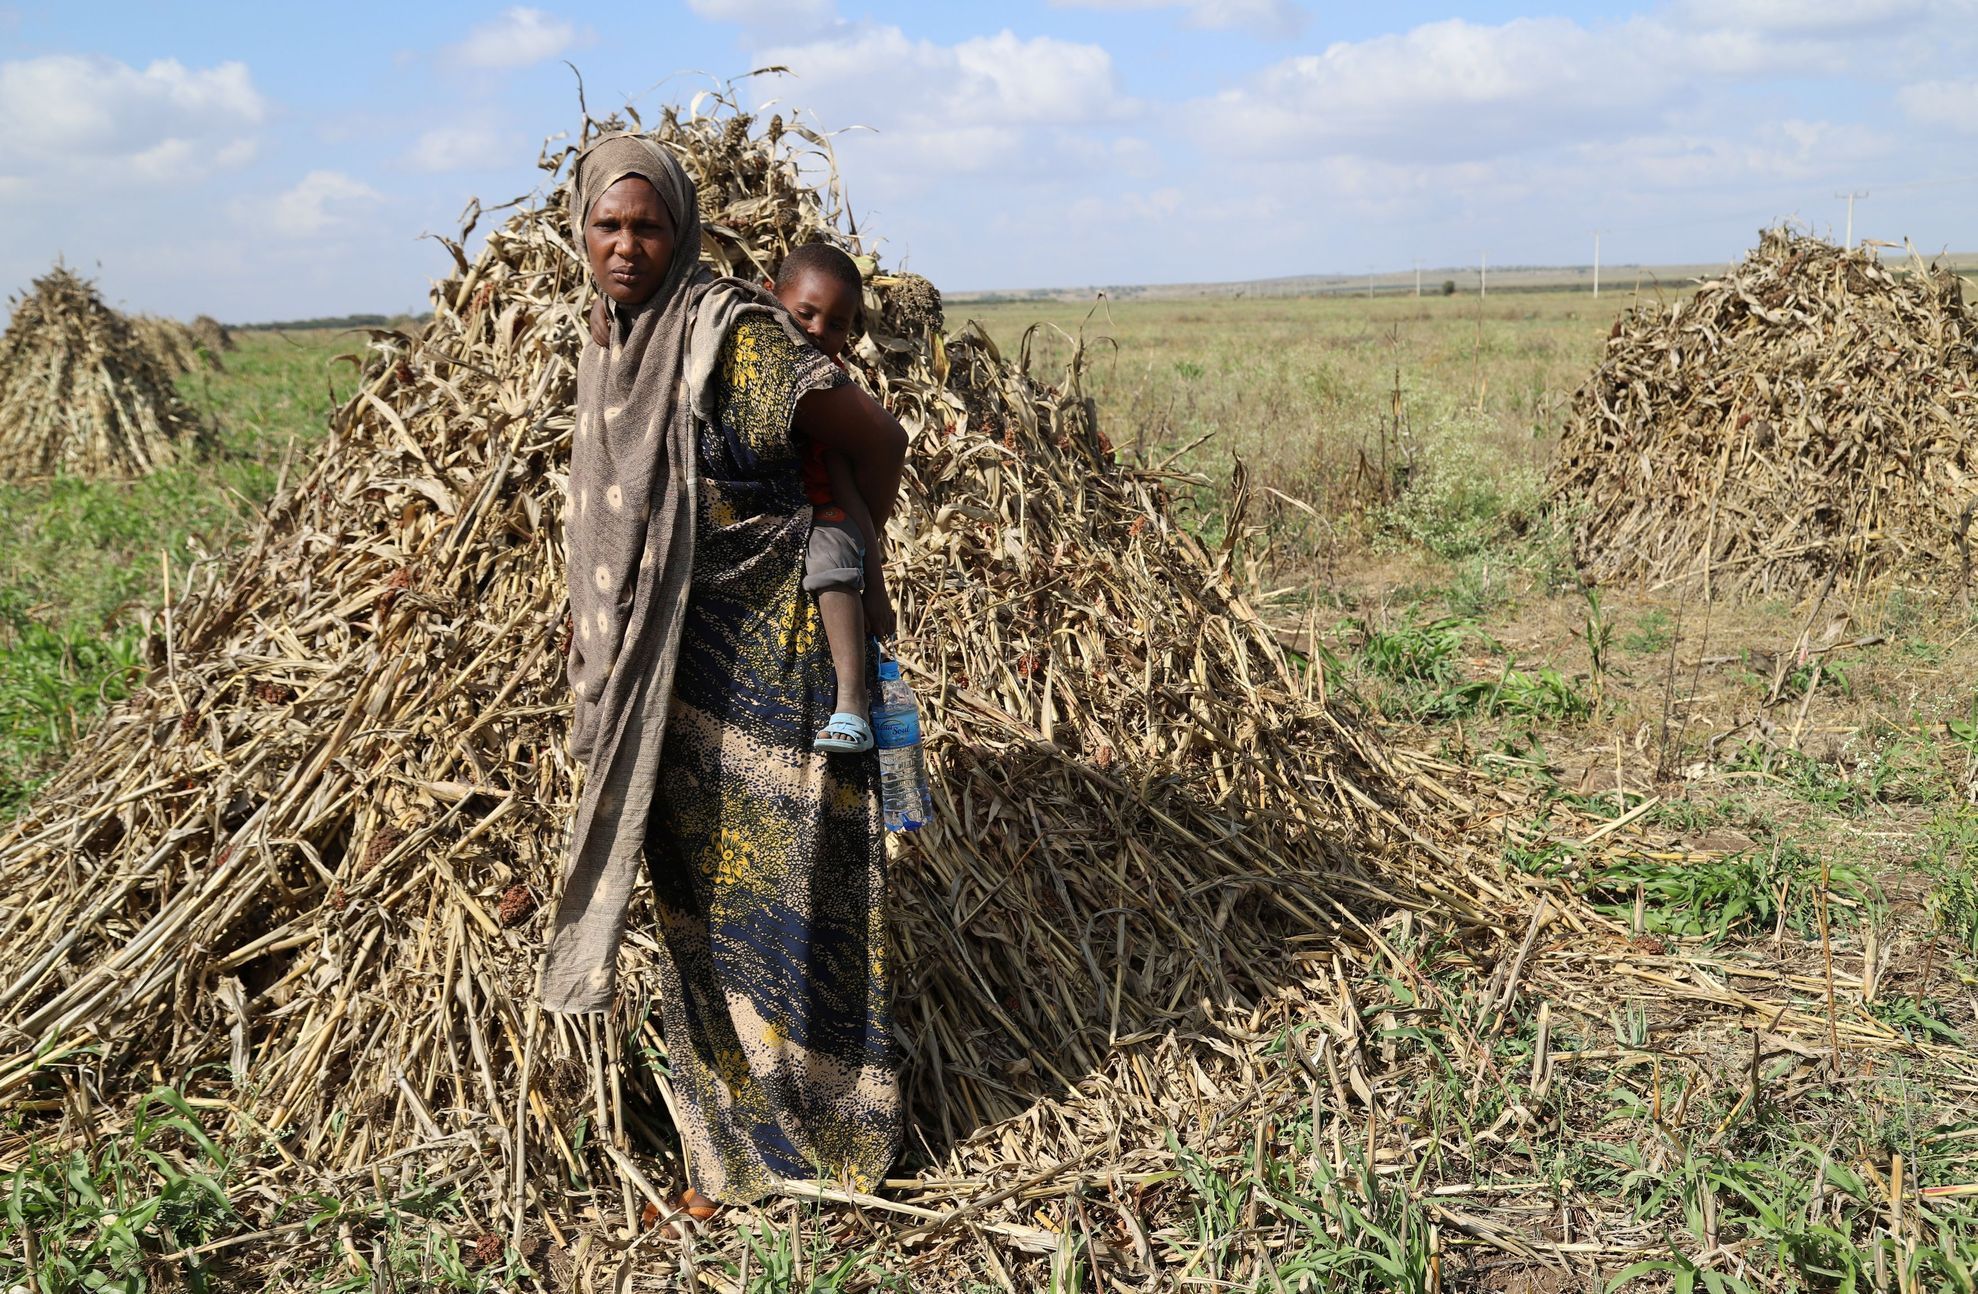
{"type": "Point", "coordinates": [767, 859]}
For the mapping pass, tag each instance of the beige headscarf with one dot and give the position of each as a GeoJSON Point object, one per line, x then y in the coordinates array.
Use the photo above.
{"type": "Point", "coordinates": [629, 529]}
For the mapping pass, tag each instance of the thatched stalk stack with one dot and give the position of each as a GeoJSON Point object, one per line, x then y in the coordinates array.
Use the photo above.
{"type": "Point", "coordinates": [176, 344]}
{"type": "Point", "coordinates": [215, 336]}
{"type": "Point", "coordinates": [82, 391]}
{"type": "Point", "coordinates": [1813, 413]}
{"type": "Point", "coordinates": [317, 850]}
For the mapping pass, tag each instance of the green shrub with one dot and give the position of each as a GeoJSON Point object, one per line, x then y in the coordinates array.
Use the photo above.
{"type": "Point", "coordinates": [1461, 497]}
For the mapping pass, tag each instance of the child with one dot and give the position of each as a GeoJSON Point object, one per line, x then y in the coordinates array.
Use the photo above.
{"type": "Point", "coordinates": [844, 566]}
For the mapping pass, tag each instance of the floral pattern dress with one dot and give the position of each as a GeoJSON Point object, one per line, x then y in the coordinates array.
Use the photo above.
{"type": "Point", "coordinates": [767, 859]}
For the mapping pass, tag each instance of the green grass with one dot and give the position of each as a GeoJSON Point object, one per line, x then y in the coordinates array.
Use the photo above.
{"type": "Point", "coordinates": [109, 1217]}
{"type": "Point", "coordinates": [1420, 654]}
{"type": "Point", "coordinates": [1807, 1212]}
{"type": "Point", "coordinates": [1952, 865]}
{"type": "Point", "coordinates": [1415, 667]}
{"type": "Point", "coordinates": [52, 679]}
{"type": "Point", "coordinates": [1304, 392]}
{"type": "Point", "coordinates": [1808, 780]}
{"type": "Point", "coordinates": [808, 1260]}
{"type": "Point", "coordinates": [149, 1209]}
{"type": "Point", "coordinates": [1457, 497]}
{"type": "Point", "coordinates": [82, 563]}
{"type": "Point", "coordinates": [1650, 635]}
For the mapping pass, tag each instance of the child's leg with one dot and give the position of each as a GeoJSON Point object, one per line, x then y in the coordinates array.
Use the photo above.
{"type": "Point", "coordinates": [844, 628]}
{"type": "Point", "coordinates": [834, 569]}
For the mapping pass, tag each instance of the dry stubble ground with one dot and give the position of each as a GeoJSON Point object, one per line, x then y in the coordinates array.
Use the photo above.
{"type": "Point", "coordinates": [1794, 783]}
{"type": "Point", "coordinates": [1795, 780]}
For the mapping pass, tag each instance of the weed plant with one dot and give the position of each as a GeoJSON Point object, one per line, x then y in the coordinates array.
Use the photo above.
{"type": "Point", "coordinates": [1461, 499]}
{"type": "Point", "coordinates": [1952, 865]}
{"type": "Point", "coordinates": [1748, 893]}
{"type": "Point", "coordinates": [1808, 780]}
{"type": "Point", "coordinates": [1419, 660]}
{"type": "Point", "coordinates": [1651, 634]}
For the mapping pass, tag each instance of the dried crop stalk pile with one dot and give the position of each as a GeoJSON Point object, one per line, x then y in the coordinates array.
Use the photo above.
{"type": "Point", "coordinates": [1810, 413]}
{"type": "Point", "coordinates": [181, 349]}
{"type": "Point", "coordinates": [318, 848]}
{"type": "Point", "coordinates": [215, 336]}
{"type": "Point", "coordinates": [82, 391]}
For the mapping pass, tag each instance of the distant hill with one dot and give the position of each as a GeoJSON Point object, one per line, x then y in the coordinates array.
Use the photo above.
{"type": "Point", "coordinates": [334, 321]}
{"type": "Point", "coordinates": [1509, 278]}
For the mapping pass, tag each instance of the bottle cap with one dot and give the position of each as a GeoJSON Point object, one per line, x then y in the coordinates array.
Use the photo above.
{"type": "Point", "coordinates": [889, 671]}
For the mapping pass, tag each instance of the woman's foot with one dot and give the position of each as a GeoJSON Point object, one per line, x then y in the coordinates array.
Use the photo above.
{"type": "Point", "coordinates": [683, 1211]}
{"type": "Point", "coordinates": [846, 734]}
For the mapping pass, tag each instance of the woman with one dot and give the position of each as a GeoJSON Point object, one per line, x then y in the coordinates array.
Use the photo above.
{"type": "Point", "coordinates": [700, 676]}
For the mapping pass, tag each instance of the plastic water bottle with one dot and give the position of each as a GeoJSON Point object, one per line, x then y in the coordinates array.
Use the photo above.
{"type": "Point", "coordinates": [903, 794]}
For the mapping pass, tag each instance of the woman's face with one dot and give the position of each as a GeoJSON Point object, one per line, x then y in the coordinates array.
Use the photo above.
{"type": "Point", "coordinates": [629, 238]}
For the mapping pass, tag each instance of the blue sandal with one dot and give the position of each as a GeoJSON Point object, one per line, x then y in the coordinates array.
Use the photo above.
{"type": "Point", "coordinates": [845, 734]}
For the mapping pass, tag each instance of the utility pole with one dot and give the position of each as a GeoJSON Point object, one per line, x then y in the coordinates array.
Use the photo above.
{"type": "Point", "coordinates": [1596, 262]}
{"type": "Point", "coordinates": [1851, 195]}
{"type": "Point", "coordinates": [1418, 276]}
{"type": "Point", "coordinates": [1483, 275]}
{"type": "Point", "coordinates": [1370, 285]}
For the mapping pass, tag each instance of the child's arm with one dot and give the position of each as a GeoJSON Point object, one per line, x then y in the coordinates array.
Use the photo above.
{"type": "Point", "coordinates": [850, 421]}
{"type": "Point", "coordinates": [879, 616]}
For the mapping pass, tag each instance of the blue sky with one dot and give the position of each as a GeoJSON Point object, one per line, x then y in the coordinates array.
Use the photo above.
{"type": "Point", "coordinates": [258, 161]}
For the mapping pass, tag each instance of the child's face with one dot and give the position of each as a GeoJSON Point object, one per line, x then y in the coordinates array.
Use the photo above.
{"type": "Point", "coordinates": [823, 307]}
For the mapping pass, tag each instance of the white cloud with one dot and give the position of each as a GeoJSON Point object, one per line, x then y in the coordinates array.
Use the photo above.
{"type": "Point", "coordinates": [1789, 152]}
{"type": "Point", "coordinates": [1518, 136]}
{"type": "Point", "coordinates": [1942, 103]}
{"type": "Point", "coordinates": [989, 103]}
{"type": "Point", "coordinates": [1457, 89]}
{"type": "Point", "coordinates": [1810, 17]}
{"type": "Point", "coordinates": [1005, 77]}
{"type": "Point", "coordinates": [1280, 18]}
{"type": "Point", "coordinates": [71, 117]}
{"type": "Point", "coordinates": [321, 203]}
{"type": "Point", "coordinates": [464, 147]}
{"type": "Point", "coordinates": [520, 37]}
{"type": "Point", "coordinates": [779, 17]}
{"type": "Point", "coordinates": [1443, 90]}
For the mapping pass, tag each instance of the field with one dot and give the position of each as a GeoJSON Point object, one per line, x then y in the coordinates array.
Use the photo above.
{"type": "Point", "coordinates": [1767, 1087]}
{"type": "Point", "coordinates": [1779, 798]}
{"type": "Point", "coordinates": [1334, 402]}
{"type": "Point", "coordinates": [83, 563]}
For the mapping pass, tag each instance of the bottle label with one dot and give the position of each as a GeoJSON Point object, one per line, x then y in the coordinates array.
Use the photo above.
{"type": "Point", "coordinates": [896, 729]}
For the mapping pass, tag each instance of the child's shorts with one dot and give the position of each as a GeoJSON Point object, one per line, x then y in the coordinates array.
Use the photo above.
{"type": "Point", "coordinates": [835, 558]}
